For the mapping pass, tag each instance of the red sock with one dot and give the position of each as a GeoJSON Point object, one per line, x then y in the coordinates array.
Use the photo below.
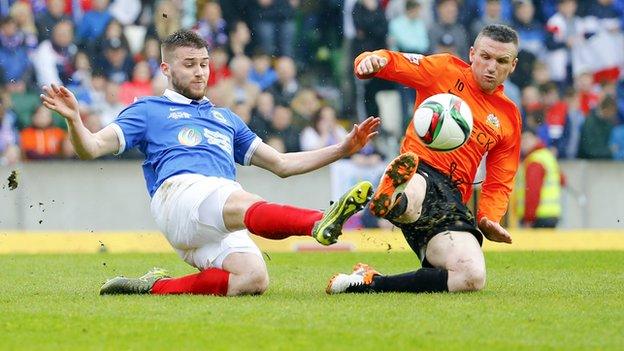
{"type": "Point", "coordinates": [275, 221]}
{"type": "Point", "coordinates": [212, 281]}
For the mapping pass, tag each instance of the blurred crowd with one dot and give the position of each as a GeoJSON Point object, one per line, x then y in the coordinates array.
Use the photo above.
{"type": "Point", "coordinates": [285, 66]}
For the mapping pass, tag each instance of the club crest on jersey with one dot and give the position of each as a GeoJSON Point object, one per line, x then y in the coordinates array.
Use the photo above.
{"type": "Point", "coordinates": [413, 58]}
{"type": "Point", "coordinates": [493, 120]}
{"type": "Point", "coordinates": [219, 117]}
{"type": "Point", "coordinates": [190, 136]}
{"type": "Point", "coordinates": [175, 114]}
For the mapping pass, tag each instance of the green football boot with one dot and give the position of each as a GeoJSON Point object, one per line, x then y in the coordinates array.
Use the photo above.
{"type": "Point", "coordinates": [328, 229]}
{"type": "Point", "coordinates": [141, 285]}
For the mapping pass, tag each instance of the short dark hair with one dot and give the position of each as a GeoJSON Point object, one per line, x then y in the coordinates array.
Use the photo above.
{"type": "Point", "coordinates": [499, 32]}
{"type": "Point", "coordinates": [183, 38]}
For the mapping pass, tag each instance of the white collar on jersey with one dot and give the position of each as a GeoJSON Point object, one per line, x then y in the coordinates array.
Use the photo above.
{"type": "Point", "coordinates": [179, 98]}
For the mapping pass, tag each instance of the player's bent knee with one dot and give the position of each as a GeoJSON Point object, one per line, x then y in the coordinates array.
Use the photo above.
{"type": "Point", "coordinates": [255, 283]}
{"type": "Point", "coordinates": [472, 278]}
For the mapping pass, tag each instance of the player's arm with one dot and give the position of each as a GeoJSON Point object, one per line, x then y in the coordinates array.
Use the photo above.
{"type": "Point", "coordinates": [501, 167]}
{"type": "Point", "coordinates": [411, 70]}
{"type": "Point", "coordinates": [87, 145]}
{"type": "Point", "coordinates": [288, 164]}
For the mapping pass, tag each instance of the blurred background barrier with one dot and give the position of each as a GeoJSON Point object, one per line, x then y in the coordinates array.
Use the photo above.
{"type": "Point", "coordinates": [111, 196]}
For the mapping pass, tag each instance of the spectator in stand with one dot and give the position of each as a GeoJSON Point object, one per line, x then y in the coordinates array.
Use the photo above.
{"type": "Point", "coordinates": [140, 85]}
{"type": "Point", "coordinates": [569, 144]}
{"type": "Point", "coordinates": [126, 11]}
{"type": "Point", "coordinates": [262, 115]}
{"type": "Point", "coordinates": [492, 14]}
{"type": "Point", "coordinates": [605, 19]}
{"type": "Point", "coordinates": [539, 183]}
{"type": "Point", "coordinates": [93, 23]}
{"type": "Point", "coordinates": [275, 25]}
{"type": "Point", "coordinates": [597, 129]}
{"type": "Point", "coordinates": [238, 89]}
{"type": "Point", "coordinates": [53, 59]}
{"type": "Point", "coordinates": [531, 33]}
{"type": "Point", "coordinates": [306, 104]}
{"type": "Point", "coordinates": [448, 24]}
{"type": "Point", "coordinates": [80, 82]}
{"type": "Point", "coordinates": [46, 20]}
{"type": "Point", "coordinates": [42, 140]}
{"type": "Point", "coordinates": [446, 45]}
{"type": "Point", "coordinates": [588, 92]}
{"type": "Point", "coordinates": [239, 40]}
{"type": "Point", "coordinates": [211, 26]}
{"type": "Point", "coordinates": [116, 63]}
{"type": "Point", "coordinates": [286, 86]}
{"type": "Point", "coordinates": [219, 69]}
{"type": "Point", "coordinates": [564, 32]}
{"type": "Point", "coordinates": [531, 100]}
{"type": "Point", "coordinates": [616, 142]}
{"type": "Point", "coordinates": [555, 110]}
{"type": "Point", "coordinates": [282, 127]}
{"type": "Point", "coordinates": [243, 111]}
{"type": "Point", "coordinates": [323, 130]}
{"type": "Point", "coordinates": [14, 48]}
{"type": "Point", "coordinates": [151, 55]}
{"type": "Point", "coordinates": [23, 16]}
{"type": "Point", "coordinates": [165, 20]}
{"type": "Point", "coordinates": [114, 32]}
{"type": "Point", "coordinates": [9, 150]}
{"type": "Point", "coordinates": [110, 107]}
{"type": "Point", "coordinates": [408, 33]}
{"type": "Point", "coordinates": [371, 29]}
{"type": "Point", "coordinates": [262, 73]}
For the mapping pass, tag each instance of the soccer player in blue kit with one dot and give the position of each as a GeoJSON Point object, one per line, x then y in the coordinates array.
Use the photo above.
{"type": "Point", "coordinates": [190, 148]}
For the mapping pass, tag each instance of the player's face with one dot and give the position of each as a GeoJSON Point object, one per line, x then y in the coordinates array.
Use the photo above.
{"type": "Point", "coordinates": [492, 62]}
{"type": "Point", "coordinates": [188, 71]}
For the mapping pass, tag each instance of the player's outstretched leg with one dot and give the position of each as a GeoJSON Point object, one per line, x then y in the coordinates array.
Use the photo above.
{"type": "Point", "coordinates": [328, 229]}
{"type": "Point", "coordinates": [359, 280]}
{"type": "Point", "coordinates": [392, 183]}
{"type": "Point", "coordinates": [365, 279]}
{"type": "Point", "coordinates": [141, 285]}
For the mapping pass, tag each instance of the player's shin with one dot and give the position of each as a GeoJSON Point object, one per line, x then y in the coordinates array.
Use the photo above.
{"type": "Point", "coordinates": [276, 221]}
{"type": "Point", "coordinates": [212, 281]}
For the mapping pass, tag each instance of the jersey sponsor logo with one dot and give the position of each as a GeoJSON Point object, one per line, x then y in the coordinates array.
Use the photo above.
{"type": "Point", "coordinates": [218, 139]}
{"type": "Point", "coordinates": [179, 115]}
{"type": "Point", "coordinates": [190, 136]}
{"type": "Point", "coordinates": [219, 117]}
{"type": "Point", "coordinates": [493, 120]}
{"type": "Point", "coordinates": [413, 58]}
{"type": "Point", "coordinates": [484, 140]}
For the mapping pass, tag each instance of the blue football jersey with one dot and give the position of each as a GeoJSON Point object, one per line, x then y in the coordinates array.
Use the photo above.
{"type": "Point", "coordinates": [179, 135]}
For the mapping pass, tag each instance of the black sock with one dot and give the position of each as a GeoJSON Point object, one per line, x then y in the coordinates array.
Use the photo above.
{"type": "Point", "coordinates": [422, 280]}
{"type": "Point", "coordinates": [399, 208]}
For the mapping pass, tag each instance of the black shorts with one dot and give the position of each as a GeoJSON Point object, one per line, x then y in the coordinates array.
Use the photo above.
{"type": "Point", "coordinates": [442, 210]}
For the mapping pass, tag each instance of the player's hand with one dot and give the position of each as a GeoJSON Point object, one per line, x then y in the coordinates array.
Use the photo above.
{"type": "Point", "coordinates": [494, 231]}
{"type": "Point", "coordinates": [61, 100]}
{"type": "Point", "coordinates": [360, 135]}
{"type": "Point", "coordinates": [371, 64]}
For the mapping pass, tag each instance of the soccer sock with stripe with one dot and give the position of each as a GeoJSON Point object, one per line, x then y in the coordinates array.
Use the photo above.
{"type": "Point", "coordinates": [276, 221]}
{"type": "Point", "coordinates": [422, 280]}
{"type": "Point", "coordinates": [212, 281]}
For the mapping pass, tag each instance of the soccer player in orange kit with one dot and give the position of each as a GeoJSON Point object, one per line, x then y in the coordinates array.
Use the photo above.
{"type": "Point", "coordinates": [423, 191]}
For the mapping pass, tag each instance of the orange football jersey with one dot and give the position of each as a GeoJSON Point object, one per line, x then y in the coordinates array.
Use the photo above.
{"type": "Point", "coordinates": [496, 128]}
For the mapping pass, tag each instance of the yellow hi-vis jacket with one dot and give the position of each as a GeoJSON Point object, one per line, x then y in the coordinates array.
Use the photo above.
{"type": "Point", "coordinates": [550, 194]}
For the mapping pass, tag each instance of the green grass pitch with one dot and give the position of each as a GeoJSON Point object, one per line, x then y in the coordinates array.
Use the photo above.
{"type": "Point", "coordinates": [533, 301]}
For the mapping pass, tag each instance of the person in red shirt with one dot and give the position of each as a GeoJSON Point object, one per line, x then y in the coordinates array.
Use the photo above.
{"type": "Point", "coordinates": [423, 191]}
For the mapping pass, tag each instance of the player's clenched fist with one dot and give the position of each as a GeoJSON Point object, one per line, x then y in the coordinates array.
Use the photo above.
{"type": "Point", "coordinates": [371, 64]}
